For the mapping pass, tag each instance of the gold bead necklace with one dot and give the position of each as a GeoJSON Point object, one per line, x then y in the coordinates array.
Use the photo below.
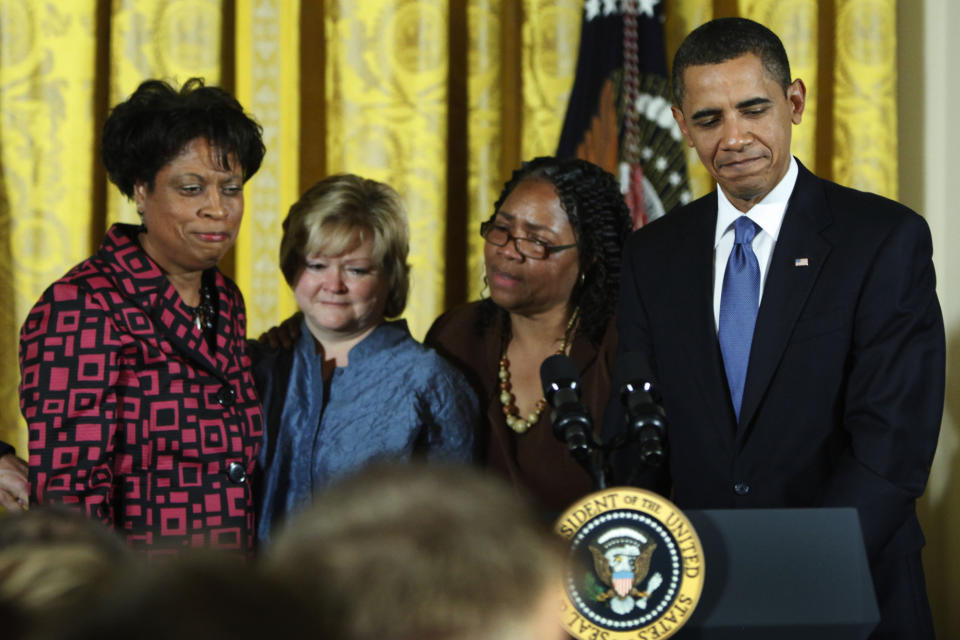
{"type": "Point", "coordinates": [510, 411]}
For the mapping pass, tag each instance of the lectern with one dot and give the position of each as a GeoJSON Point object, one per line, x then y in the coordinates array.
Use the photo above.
{"type": "Point", "coordinates": [782, 574]}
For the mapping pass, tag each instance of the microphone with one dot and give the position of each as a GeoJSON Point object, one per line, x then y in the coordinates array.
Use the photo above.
{"type": "Point", "coordinates": [646, 419]}
{"type": "Point", "coordinates": [571, 420]}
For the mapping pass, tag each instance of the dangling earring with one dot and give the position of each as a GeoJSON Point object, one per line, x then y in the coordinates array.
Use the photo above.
{"type": "Point", "coordinates": [485, 289]}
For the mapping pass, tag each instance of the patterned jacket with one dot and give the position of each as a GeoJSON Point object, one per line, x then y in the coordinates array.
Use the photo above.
{"type": "Point", "coordinates": [131, 417]}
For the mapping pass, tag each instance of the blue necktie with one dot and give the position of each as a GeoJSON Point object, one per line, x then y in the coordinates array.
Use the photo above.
{"type": "Point", "coordinates": [739, 300]}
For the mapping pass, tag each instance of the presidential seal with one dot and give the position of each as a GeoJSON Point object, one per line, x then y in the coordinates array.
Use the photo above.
{"type": "Point", "coordinates": [635, 567]}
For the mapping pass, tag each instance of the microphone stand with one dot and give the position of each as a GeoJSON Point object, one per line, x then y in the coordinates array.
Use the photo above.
{"type": "Point", "coordinates": [572, 424]}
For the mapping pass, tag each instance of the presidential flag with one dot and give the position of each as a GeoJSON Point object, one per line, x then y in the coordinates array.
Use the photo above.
{"type": "Point", "coordinates": [619, 111]}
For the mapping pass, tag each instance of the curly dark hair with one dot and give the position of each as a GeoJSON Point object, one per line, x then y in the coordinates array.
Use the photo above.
{"type": "Point", "coordinates": [600, 219]}
{"type": "Point", "coordinates": [724, 39]}
{"type": "Point", "coordinates": [156, 123]}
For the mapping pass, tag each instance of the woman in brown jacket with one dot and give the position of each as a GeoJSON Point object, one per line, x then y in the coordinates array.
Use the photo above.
{"type": "Point", "coordinates": [552, 258]}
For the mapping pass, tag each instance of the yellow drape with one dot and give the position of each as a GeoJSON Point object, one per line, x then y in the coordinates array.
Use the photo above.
{"type": "Point", "coordinates": [865, 85]}
{"type": "Point", "coordinates": [484, 103]}
{"type": "Point", "coordinates": [267, 81]}
{"type": "Point", "coordinates": [551, 37]}
{"type": "Point", "coordinates": [47, 53]}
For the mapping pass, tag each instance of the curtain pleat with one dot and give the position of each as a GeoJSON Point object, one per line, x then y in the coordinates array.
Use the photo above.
{"type": "Point", "coordinates": [484, 103]}
{"type": "Point", "coordinates": [865, 81]}
{"type": "Point", "coordinates": [46, 166]}
{"type": "Point", "coordinates": [551, 38]}
{"type": "Point", "coordinates": [267, 80]}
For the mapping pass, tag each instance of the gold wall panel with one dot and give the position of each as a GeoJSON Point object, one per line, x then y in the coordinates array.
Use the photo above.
{"type": "Point", "coordinates": [681, 18]}
{"type": "Point", "coordinates": [551, 38]}
{"type": "Point", "coordinates": [47, 155]}
{"type": "Point", "coordinates": [387, 65]}
{"type": "Point", "coordinates": [268, 77]}
{"type": "Point", "coordinates": [484, 101]}
{"type": "Point", "coordinates": [865, 121]}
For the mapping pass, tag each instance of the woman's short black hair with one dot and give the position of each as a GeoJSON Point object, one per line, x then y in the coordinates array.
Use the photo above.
{"type": "Point", "coordinates": [600, 219]}
{"type": "Point", "coordinates": [155, 124]}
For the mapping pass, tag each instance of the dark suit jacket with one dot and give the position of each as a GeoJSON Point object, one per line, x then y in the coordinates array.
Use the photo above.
{"type": "Point", "coordinates": [845, 384]}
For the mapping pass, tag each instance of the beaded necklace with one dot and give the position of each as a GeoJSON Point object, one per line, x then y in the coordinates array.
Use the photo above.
{"type": "Point", "coordinates": [510, 411]}
{"type": "Point", "coordinates": [204, 314]}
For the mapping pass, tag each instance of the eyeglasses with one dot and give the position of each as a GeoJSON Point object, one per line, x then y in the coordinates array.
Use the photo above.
{"type": "Point", "coordinates": [536, 249]}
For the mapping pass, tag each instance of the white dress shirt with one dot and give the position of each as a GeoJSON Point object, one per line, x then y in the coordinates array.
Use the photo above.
{"type": "Point", "coordinates": [768, 214]}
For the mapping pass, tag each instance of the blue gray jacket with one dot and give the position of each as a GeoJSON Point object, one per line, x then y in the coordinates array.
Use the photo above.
{"type": "Point", "coordinates": [395, 399]}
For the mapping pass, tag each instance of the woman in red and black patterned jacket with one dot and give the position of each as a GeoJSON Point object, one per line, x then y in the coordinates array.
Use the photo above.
{"type": "Point", "coordinates": [136, 385]}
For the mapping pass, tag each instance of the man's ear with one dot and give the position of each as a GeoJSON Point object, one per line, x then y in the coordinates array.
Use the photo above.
{"type": "Point", "coordinates": [682, 123]}
{"type": "Point", "coordinates": [797, 97]}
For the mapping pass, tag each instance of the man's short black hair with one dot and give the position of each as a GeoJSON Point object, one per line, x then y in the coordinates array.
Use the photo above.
{"type": "Point", "coordinates": [725, 39]}
{"type": "Point", "coordinates": [155, 124]}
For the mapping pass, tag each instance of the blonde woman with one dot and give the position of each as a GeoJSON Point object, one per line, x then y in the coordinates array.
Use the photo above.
{"type": "Point", "coordinates": [354, 386]}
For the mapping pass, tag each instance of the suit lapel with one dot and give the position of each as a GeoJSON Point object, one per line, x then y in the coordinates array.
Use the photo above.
{"type": "Point", "coordinates": [696, 315]}
{"type": "Point", "coordinates": [794, 266]}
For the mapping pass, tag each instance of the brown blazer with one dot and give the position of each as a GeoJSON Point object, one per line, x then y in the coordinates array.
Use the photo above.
{"type": "Point", "coordinates": [535, 460]}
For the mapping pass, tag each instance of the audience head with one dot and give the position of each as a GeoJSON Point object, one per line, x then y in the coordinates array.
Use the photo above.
{"type": "Point", "coordinates": [52, 559]}
{"type": "Point", "coordinates": [425, 551]}
{"type": "Point", "coordinates": [198, 596]}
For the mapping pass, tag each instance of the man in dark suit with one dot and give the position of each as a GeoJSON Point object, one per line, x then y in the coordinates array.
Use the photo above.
{"type": "Point", "coordinates": [791, 324]}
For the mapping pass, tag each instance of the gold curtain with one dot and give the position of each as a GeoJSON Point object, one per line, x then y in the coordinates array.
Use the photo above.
{"type": "Point", "coordinates": [47, 57]}
{"type": "Point", "coordinates": [267, 64]}
{"type": "Point", "coordinates": [485, 102]}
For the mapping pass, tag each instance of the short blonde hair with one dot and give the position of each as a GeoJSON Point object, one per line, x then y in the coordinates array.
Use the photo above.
{"type": "Point", "coordinates": [334, 215]}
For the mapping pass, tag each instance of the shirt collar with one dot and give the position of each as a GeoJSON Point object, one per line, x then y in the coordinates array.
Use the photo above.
{"type": "Point", "coordinates": [768, 213]}
{"type": "Point", "coordinates": [388, 334]}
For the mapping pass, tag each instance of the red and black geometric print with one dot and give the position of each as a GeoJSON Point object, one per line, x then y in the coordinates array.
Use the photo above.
{"type": "Point", "coordinates": [133, 415]}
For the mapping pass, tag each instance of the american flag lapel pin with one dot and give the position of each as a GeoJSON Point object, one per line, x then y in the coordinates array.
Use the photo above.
{"type": "Point", "coordinates": [801, 262]}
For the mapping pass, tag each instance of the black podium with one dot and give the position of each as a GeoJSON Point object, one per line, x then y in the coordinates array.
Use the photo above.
{"type": "Point", "coordinates": [782, 574]}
